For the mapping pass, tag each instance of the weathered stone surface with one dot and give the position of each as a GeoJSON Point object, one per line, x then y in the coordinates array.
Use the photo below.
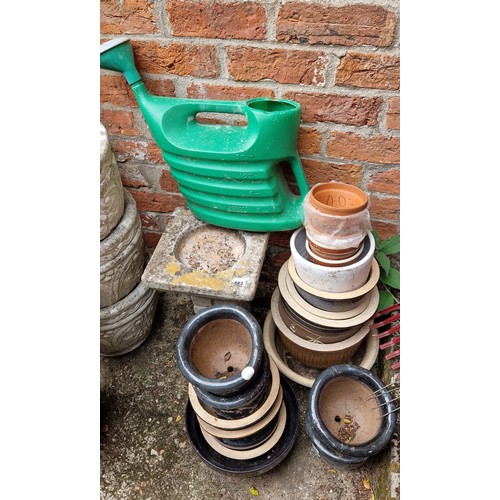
{"type": "Point", "coordinates": [313, 23]}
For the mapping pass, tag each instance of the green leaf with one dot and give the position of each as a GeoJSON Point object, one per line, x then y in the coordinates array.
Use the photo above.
{"type": "Point", "coordinates": [254, 491]}
{"type": "Point", "coordinates": [385, 300]}
{"type": "Point", "coordinates": [391, 279]}
{"type": "Point", "coordinates": [383, 261]}
{"type": "Point", "coordinates": [390, 245]}
{"type": "Point", "coordinates": [376, 237]}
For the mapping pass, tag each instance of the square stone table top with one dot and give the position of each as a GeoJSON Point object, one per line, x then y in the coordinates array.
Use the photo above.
{"type": "Point", "coordinates": [206, 260]}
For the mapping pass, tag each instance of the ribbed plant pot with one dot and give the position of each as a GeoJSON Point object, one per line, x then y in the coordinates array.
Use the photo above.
{"type": "Point", "coordinates": [220, 349]}
{"type": "Point", "coordinates": [122, 256]}
{"type": "Point", "coordinates": [331, 279]}
{"type": "Point", "coordinates": [350, 415]}
{"type": "Point", "coordinates": [126, 324]}
{"type": "Point", "coordinates": [112, 195]}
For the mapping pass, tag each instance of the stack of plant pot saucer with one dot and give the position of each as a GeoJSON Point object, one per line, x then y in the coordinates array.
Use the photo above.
{"type": "Point", "coordinates": [241, 416]}
{"type": "Point", "coordinates": [127, 305]}
{"type": "Point", "coordinates": [323, 313]}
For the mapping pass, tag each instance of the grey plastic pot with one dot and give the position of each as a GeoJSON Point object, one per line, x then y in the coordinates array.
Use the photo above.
{"type": "Point", "coordinates": [356, 390]}
{"type": "Point", "coordinates": [220, 349]}
{"type": "Point", "coordinates": [244, 402]}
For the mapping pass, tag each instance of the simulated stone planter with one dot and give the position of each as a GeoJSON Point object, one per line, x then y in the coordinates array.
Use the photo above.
{"type": "Point", "coordinates": [126, 324]}
{"type": "Point", "coordinates": [112, 195]}
{"type": "Point", "coordinates": [122, 256]}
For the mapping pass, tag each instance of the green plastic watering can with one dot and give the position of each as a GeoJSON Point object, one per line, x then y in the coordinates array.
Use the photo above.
{"type": "Point", "coordinates": [231, 176]}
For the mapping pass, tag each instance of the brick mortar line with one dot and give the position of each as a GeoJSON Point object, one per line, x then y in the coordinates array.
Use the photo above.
{"type": "Point", "coordinates": [267, 44]}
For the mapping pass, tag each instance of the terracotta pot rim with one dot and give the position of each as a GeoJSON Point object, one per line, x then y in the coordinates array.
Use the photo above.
{"type": "Point", "coordinates": [360, 201]}
{"type": "Point", "coordinates": [269, 333]}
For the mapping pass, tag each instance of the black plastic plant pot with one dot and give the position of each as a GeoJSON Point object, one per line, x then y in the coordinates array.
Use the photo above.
{"type": "Point", "coordinates": [254, 466]}
{"type": "Point", "coordinates": [220, 349]}
{"type": "Point", "coordinates": [244, 402]}
{"type": "Point", "coordinates": [350, 412]}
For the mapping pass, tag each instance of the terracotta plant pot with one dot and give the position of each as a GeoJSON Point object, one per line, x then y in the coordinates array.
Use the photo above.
{"type": "Point", "coordinates": [331, 279]}
{"type": "Point", "coordinates": [336, 219]}
{"type": "Point", "coordinates": [338, 198]}
{"type": "Point", "coordinates": [314, 249]}
{"type": "Point", "coordinates": [220, 349]}
{"type": "Point", "coordinates": [351, 413]}
{"type": "Point", "coordinates": [366, 356]}
{"type": "Point", "coordinates": [325, 259]}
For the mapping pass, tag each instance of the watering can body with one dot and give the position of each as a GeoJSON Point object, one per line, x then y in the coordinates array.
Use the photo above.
{"type": "Point", "coordinates": [230, 175]}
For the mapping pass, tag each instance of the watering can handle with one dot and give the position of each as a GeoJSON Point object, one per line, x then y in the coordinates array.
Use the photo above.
{"type": "Point", "coordinates": [232, 107]}
{"type": "Point", "coordinates": [298, 172]}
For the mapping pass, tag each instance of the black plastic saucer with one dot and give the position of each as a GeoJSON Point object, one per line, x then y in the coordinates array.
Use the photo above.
{"type": "Point", "coordinates": [255, 466]}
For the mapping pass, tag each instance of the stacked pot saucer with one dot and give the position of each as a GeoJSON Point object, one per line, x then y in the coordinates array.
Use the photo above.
{"type": "Point", "coordinates": [240, 416]}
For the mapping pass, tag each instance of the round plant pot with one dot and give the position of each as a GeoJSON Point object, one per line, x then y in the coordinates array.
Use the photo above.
{"type": "Point", "coordinates": [331, 279]}
{"type": "Point", "coordinates": [350, 412]}
{"type": "Point", "coordinates": [122, 256]}
{"type": "Point", "coordinates": [112, 195]}
{"type": "Point", "coordinates": [126, 324]}
{"type": "Point", "coordinates": [220, 349]}
{"type": "Point", "coordinates": [336, 218]}
{"type": "Point", "coordinates": [207, 414]}
{"type": "Point", "coordinates": [252, 466]}
{"type": "Point", "coordinates": [338, 198]}
{"type": "Point", "coordinates": [332, 301]}
{"type": "Point", "coordinates": [365, 356]}
{"type": "Point", "coordinates": [314, 354]}
{"type": "Point", "coordinates": [315, 249]}
{"type": "Point", "coordinates": [245, 402]}
{"type": "Point", "coordinates": [361, 310]}
{"type": "Point", "coordinates": [333, 261]}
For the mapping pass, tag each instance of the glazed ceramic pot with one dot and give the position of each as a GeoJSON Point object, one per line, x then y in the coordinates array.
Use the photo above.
{"type": "Point", "coordinates": [331, 279]}
{"type": "Point", "coordinates": [316, 354]}
{"type": "Point", "coordinates": [111, 190]}
{"type": "Point", "coordinates": [258, 459]}
{"type": "Point", "coordinates": [350, 413]}
{"type": "Point", "coordinates": [366, 356]}
{"type": "Point", "coordinates": [126, 324]}
{"type": "Point", "coordinates": [244, 402]}
{"type": "Point", "coordinates": [333, 301]}
{"type": "Point", "coordinates": [220, 349]}
{"type": "Point", "coordinates": [208, 415]}
{"type": "Point", "coordinates": [122, 256]}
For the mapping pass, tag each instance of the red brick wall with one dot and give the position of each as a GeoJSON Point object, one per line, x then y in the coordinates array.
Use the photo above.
{"type": "Point", "coordinates": [339, 60]}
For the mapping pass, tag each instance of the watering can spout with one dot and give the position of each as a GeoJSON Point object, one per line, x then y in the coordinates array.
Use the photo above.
{"type": "Point", "coordinates": [117, 55]}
